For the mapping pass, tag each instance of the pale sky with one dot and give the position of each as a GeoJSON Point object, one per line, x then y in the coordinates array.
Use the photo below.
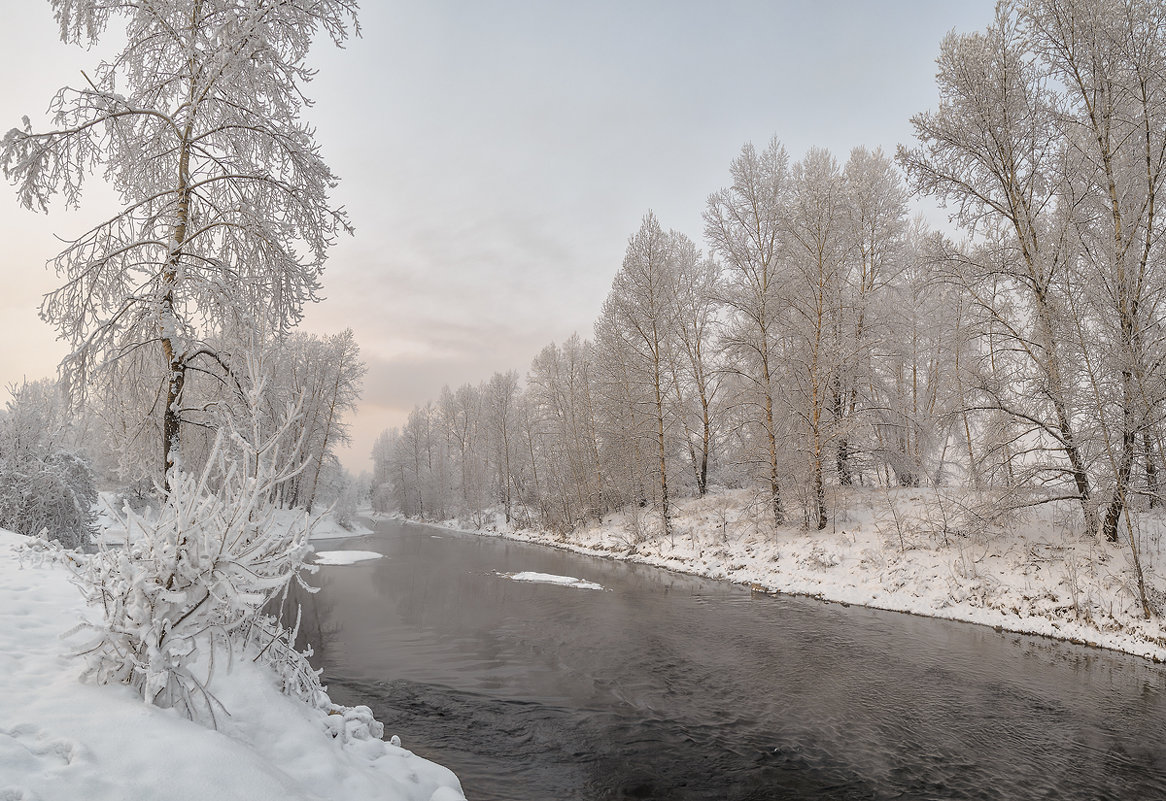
{"type": "Point", "coordinates": [496, 156]}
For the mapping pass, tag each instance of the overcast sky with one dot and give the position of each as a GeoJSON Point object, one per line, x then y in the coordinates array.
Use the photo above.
{"type": "Point", "coordinates": [496, 156]}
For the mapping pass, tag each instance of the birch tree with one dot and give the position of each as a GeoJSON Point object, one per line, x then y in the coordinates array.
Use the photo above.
{"type": "Point", "coordinates": [1111, 60]}
{"type": "Point", "coordinates": [342, 387]}
{"type": "Point", "coordinates": [638, 328]}
{"type": "Point", "coordinates": [460, 418]}
{"type": "Point", "coordinates": [744, 226]}
{"type": "Point", "coordinates": [500, 398]}
{"type": "Point", "coordinates": [916, 377]}
{"type": "Point", "coordinates": [992, 150]}
{"type": "Point", "coordinates": [560, 398]}
{"type": "Point", "coordinates": [812, 294]}
{"type": "Point", "coordinates": [384, 473]}
{"type": "Point", "coordinates": [875, 225]}
{"type": "Point", "coordinates": [225, 219]}
{"type": "Point", "coordinates": [697, 374]}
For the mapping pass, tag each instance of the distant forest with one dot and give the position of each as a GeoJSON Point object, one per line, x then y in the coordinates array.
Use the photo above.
{"type": "Point", "coordinates": [825, 338]}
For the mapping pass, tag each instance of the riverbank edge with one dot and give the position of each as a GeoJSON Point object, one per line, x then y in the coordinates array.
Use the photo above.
{"type": "Point", "coordinates": [1037, 626]}
{"type": "Point", "coordinates": [67, 737]}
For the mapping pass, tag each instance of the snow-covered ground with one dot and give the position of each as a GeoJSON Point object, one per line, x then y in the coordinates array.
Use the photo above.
{"type": "Point", "coordinates": [328, 529]}
{"type": "Point", "coordinates": [927, 552]}
{"type": "Point", "coordinates": [62, 740]}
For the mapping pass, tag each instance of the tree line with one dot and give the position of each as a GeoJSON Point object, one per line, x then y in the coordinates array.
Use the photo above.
{"type": "Point", "coordinates": [794, 353]}
{"type": "Point", "coordinates": [825, 338]}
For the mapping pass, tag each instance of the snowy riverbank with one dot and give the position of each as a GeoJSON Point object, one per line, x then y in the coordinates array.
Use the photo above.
{"type": "Point", "coordinates": [63, 740]}
{"type": "Point", "coordinates": [925, 552]}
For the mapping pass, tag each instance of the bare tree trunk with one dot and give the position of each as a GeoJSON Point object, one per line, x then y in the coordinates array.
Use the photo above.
{"type": "Point", "coordinates": [662, 451]}
{"type": "Point", "coordinates": [819, 493]}
{"type": "Point", "coordinates": [817, 456]}
{"type": "Point", "coordinates": [842, 459]}
{"type": "Point", "coordinates": [171, 417]}
{"type": "Point", "coordinates": [1151, 470]}
{"type": "Point", "coordinates": [1117, 502]}
{"type": "Point", "coordinates": [973, 471]}
{"type": "Point", "coordinates": [327, 436]}
{"type": "Point", "coordinates": [774, 484]}
{"type": "Point", "coordinates": [176, 364]}
{"type": "Point", "coordinates": [703, 476]}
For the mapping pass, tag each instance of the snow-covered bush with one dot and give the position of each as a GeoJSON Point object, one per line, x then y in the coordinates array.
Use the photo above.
{"type": "Point", "coordinates": [820, 559]}
{"type": "Point", "coordinates": [344, 507]}
{"type": "Point", "coordinates": [46, 487]}
{"type": "Point", "coordinates": [51, 495]}
{"type": "Point", "coordinates": [193, 582]}
{"type": "Point", "coordinates": [339, 492]}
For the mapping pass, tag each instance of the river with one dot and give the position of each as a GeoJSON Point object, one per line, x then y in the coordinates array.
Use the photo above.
{"type": "Point", "coordinates": [662, 686]}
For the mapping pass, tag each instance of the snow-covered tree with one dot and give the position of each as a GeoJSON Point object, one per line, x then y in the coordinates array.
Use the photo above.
{"type": "Point", "coordinates": [876, 228]}
{"type": "Point", "coordinates": [563, 427]}
{"type": "Point", "coordinates": [382, 494]}
{"type": "Point", "coordinates": [500, 405]}
{"type": "Point", "coordinates": [638, 331]}
{"type": "Point", "coordinates": [811, 295]}
{"type": "Point", "coordinates": [461, 419]}
{"type": "Point", "coordinates": [993, 150]}
{"type": "Point", "coordinates": [915, 378]}
{"type": "Point", "coordinates": [744, 224]}
{"type": "Point", "coordinates": [696, 370]}
{"type": "Point", "coordinates": [225, 220]}
{"type": "Point", "coordinates": [322, 376]}
{"type": "Point", "coordinates": [46, 483]}
{"type": "Point", "coordinates": [1111, 61]}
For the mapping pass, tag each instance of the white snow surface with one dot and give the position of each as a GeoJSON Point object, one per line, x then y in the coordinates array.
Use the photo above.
{"type": "Point", "coordinates": [328, 529]}
{"type": "Point", "coordinates": [61, 740]}
{"type": "Point", "coordinates": [922, 551]}
{"type": "Point", "coordinates": [547, 578]}
{"type": "Point", "coordinates": [345, 557]}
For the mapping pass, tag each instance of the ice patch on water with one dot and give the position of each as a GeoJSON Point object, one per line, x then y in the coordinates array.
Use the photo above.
{"type": "Point", "coordinates": [547, 578]}
{"type": "Point", "coordinates": [344, 557]}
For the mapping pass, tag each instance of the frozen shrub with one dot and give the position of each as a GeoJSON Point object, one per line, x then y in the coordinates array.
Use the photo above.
{"type": "Point", "coordinates": [192, 583]}
{"type": "Point", "coordinates": [46, 488]}
{"type": "Point", "coordinates": [344, 507]}
{"type": "Point", "coordinates": [339, 491]}
{"type": "Point", "coordinates": [51, 496]}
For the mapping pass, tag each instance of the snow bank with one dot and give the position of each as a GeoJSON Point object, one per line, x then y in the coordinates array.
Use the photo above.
{"type": "Point", "coordinates": [61, 740]}
{"type": "Point", "coordinates": [913, 550]}
{"type": "Point", "coordinates": [345, 557]}
{"type": "Point", "coordinates": [329, 529]}
{"type": "Point", "coordinates": [112, 529]}
{"type": "Point", "coordinates": [547, 578]}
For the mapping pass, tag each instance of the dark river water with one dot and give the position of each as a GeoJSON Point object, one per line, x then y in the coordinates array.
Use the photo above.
{"type": "Point", "coordinates": [669, 687]}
